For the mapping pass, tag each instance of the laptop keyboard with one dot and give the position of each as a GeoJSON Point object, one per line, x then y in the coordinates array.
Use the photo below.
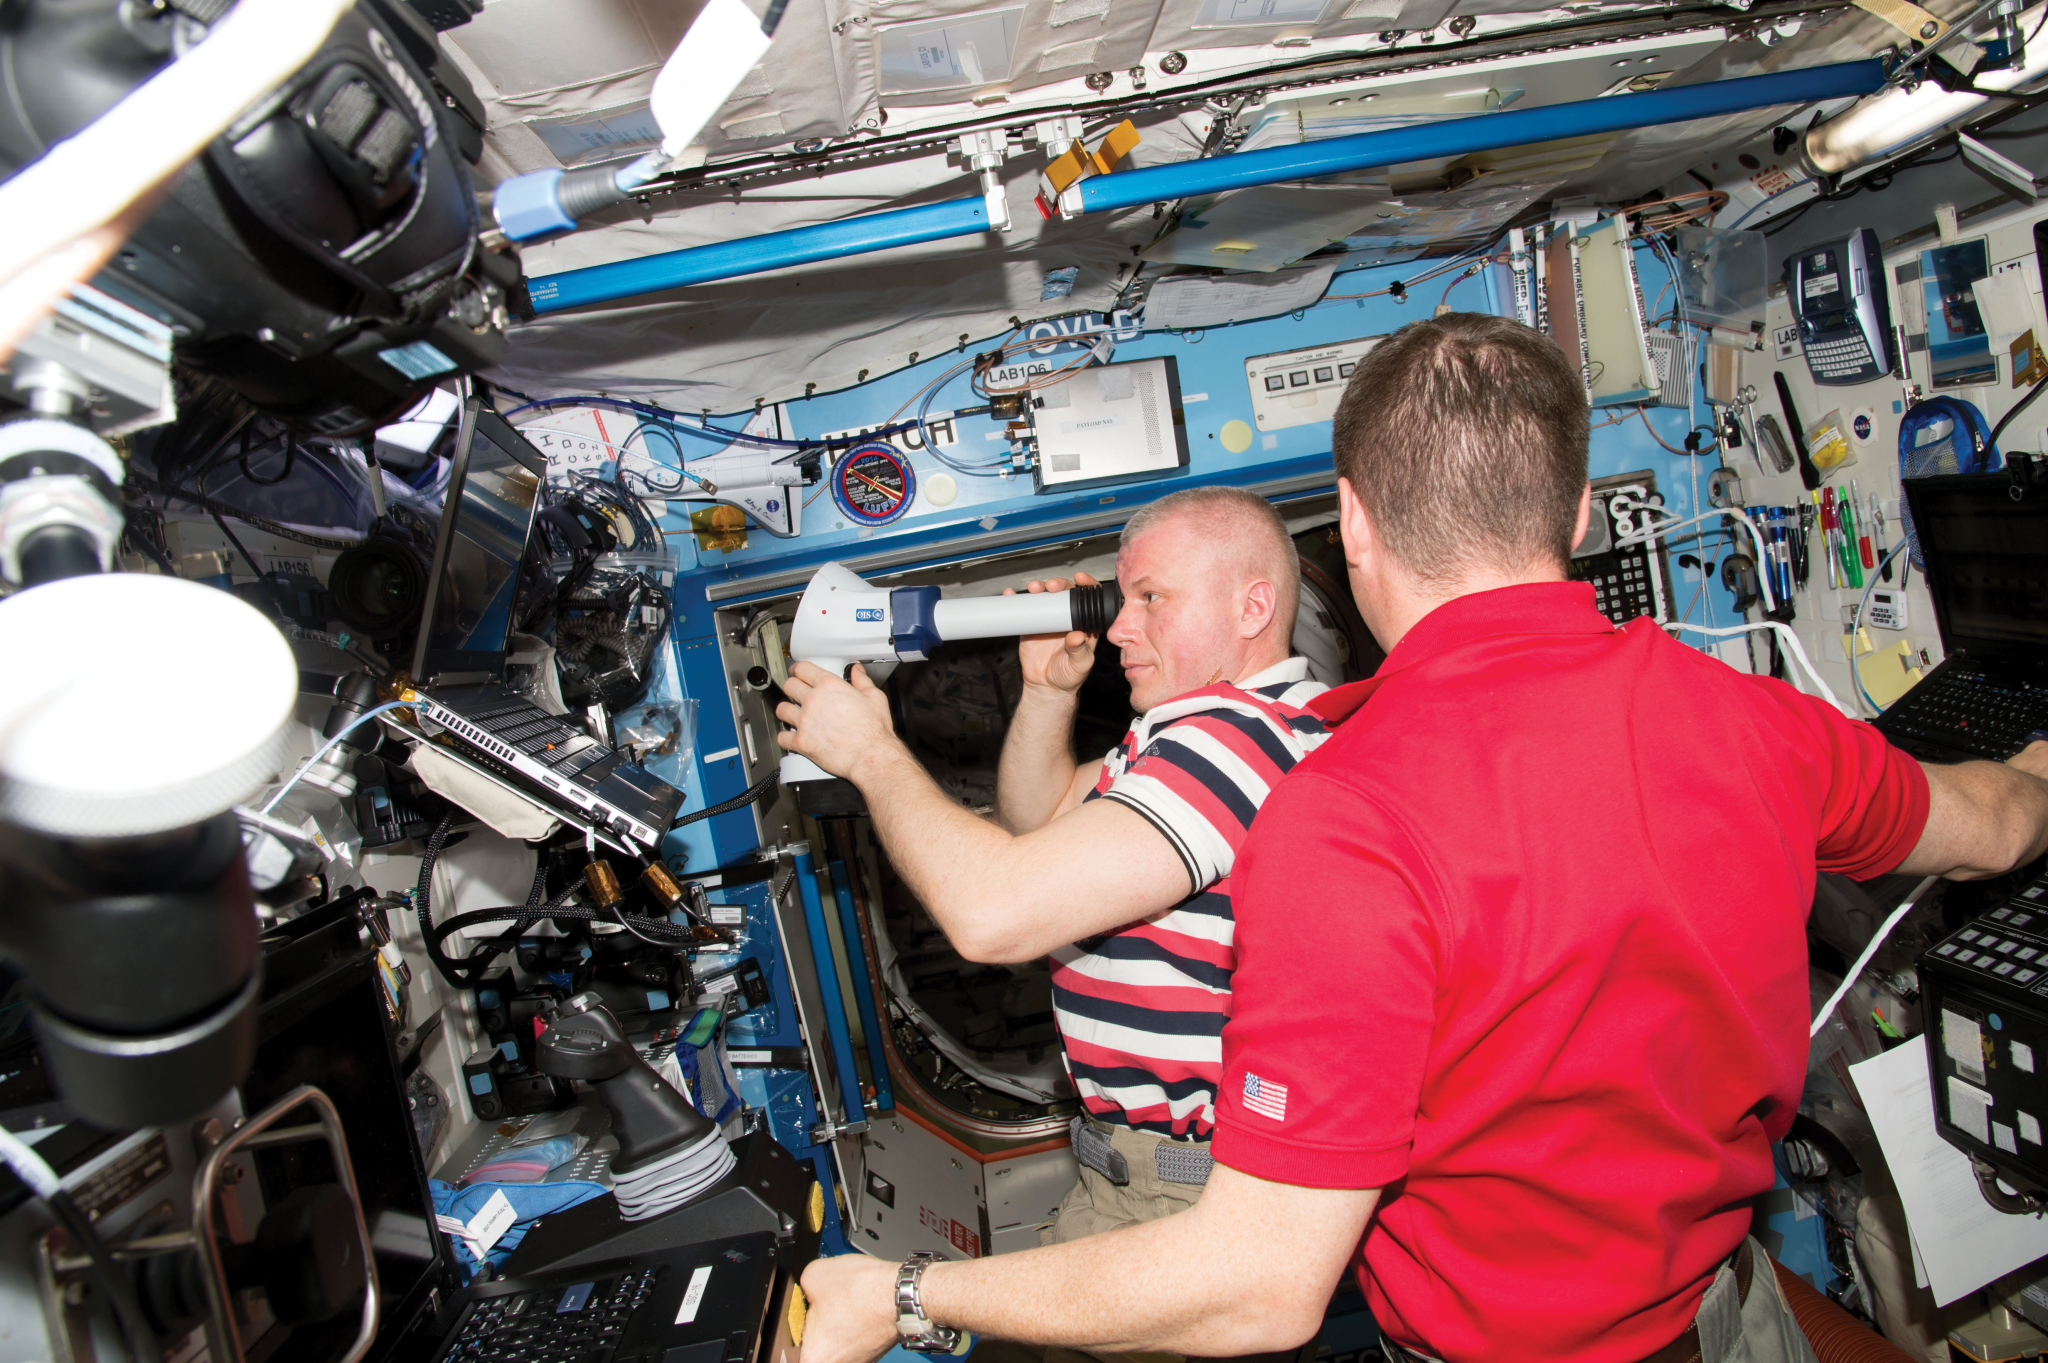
{"type": "Point", "coordinates": [582, 1323]}
{"type": "Point", "coordinates": [1968, 711]}
{"type": "Point", "coordinates": [545, 738]}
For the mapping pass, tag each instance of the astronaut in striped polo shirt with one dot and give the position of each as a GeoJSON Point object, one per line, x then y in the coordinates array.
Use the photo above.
{"type": "Point", "coordinates": [1118, 869]}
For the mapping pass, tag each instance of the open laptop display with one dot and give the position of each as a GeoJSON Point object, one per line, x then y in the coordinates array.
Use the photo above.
{"type": "Point", "coordinates": [687, 1292]}
{"type": "Point", "coordinates": [487, 514]}
{"type": "Point", "coordinates": [465, 632]}
{"type": "Point", "coordinates": [1987, 571]}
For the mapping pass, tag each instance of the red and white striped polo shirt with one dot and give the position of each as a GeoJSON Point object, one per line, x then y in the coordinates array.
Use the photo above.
{"type": "Point", "coordinates": [1141, 1010]}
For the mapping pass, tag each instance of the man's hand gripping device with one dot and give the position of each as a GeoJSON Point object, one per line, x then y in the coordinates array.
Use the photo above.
{"type": "Point", "coordinates": [842, 620]}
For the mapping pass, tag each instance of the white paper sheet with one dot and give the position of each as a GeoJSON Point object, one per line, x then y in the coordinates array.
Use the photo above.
{"type": "Point", "coordinates": [1189, 301]}
{"type": "Point", "coordinates": [1958, 1238]}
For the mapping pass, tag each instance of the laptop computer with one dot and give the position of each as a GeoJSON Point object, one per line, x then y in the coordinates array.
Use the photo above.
{"type": "Point", "coordinates": [1987, 571]}
{"type": "Point", "coordinates": [465, 632]}
{"type": "Point", "coordinates": [717, 1301]}
{"type": "Point", "coordinates": [708, 1284]}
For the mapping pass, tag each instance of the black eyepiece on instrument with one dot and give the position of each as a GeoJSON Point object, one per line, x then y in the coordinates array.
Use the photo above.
{"type": "Point", "coordinates": [1095, 608]}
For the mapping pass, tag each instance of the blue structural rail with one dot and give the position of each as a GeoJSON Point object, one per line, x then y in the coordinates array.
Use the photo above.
{"type": "Point", "coordinates": [871, 1021]}
{"type": "Point", "coordinates": [1210, 175]}
{"type": "Point", "coordinates": [826, 964]}
{"type": "Point", "coordinates": [1480, 132]}
{"type": "Point", "coordinates": [751, 255]}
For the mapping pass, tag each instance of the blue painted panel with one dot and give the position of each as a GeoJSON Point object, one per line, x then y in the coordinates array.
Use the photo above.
{"type": "Point", "coordinates": [717, 773]}
{"type": "Point", "coordinates": [1214, 390]}
{"type": "Point", "coordinates": [1803, 1246]}
{"type": "Point", "coordinates": [785, 1095]}
{"type": "Point", "coordinates": [774, 1022]}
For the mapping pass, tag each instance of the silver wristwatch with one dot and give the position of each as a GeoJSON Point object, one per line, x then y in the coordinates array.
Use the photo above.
{"type": "Point", "coordinates": [914, 1329]}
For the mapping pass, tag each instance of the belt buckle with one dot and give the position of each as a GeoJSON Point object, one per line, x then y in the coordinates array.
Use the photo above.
{"type": "Point", "coordinates": [1093, 1149]}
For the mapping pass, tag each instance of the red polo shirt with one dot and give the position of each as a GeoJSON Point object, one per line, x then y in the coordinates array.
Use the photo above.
{"type": "Point", "coordinates": [1553, 877]}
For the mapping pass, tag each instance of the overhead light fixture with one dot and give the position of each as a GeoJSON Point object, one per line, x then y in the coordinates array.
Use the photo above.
{"type": "Point", "coordinates": [2001, 168]}
{"type": "Point", "coordinates": [1894, 119]}
{"type": "Point", "coordinates": [723, 44]}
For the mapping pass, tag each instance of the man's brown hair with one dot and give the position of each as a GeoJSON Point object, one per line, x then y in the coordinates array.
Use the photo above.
{"type": "Point", "coordinates": [1465, 438]}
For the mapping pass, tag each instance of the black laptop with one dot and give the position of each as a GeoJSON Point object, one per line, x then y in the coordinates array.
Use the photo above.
{"type": "Point", "coordinates": [1987, 570]}
{"type": "Point", "coordinates": [706, 1284]}
{"type": "Point", "coordinates": [720, 1301]}
{"type": "Point", "coordinates": [465, 632]}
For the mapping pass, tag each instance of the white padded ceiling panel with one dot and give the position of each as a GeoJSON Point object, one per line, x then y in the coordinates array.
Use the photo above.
{"type": "Point", "coordinates": [906, 53]}
{"type": "Point", "coordinates": [528, 45]}
{"type": "Point", "coordinates": [558, 95]}
{"type": "Point", "coordinates": [723, 345]}
{"type": "Point", "coordinates": [1186, 24]}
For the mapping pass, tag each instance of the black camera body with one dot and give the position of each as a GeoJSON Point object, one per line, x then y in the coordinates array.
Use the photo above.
{"type": "Point", "coordinates": [321, 257]}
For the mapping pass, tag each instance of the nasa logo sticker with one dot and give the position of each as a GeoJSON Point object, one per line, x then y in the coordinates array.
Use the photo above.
{"type": "Point", "coordinates": [1863, 425]}
{"type": "Point", "coordinates": [773, 506]}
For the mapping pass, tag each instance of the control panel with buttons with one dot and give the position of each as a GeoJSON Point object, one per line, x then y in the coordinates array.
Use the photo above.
{"type": "Point", "coordinates": [1628, 580]}
{"type": "Point", "coordinates": [1296, 387]}
{"type": "Point", "coordinates": [1984, 1000]}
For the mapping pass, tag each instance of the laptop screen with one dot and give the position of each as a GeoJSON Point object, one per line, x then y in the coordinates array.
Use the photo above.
{"type": "Point", "coordinates": [1987, 563]}
{"type": "Point", "coordinates": [468, 619]}
{"type": "Point", "coordinates": [330, 1032]}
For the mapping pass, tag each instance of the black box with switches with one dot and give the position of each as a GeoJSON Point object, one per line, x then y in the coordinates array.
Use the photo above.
{"type": "Point", "coordinates": [501, 1087]}
{"type": "Point", "coordinates": [1984, 994]}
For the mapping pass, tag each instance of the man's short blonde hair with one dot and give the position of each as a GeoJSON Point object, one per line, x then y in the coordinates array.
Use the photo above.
{"type": "Point", "coordinates": [1245, 533]}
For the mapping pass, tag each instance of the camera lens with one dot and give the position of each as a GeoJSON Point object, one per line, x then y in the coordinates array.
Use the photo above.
{"type": "Point", "coordinates": [378, 588]}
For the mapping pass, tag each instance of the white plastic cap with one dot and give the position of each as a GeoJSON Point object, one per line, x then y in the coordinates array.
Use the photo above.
{"type": "Point", "coordinates": [133, 704]}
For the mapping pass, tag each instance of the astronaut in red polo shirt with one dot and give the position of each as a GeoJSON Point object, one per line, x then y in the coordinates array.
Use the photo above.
{"type": "Point", "coordinates": [1520, 1000]}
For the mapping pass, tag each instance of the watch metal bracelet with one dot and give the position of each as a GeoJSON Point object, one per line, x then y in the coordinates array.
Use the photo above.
{"type": "Point", "coordinates": [913, 1328]}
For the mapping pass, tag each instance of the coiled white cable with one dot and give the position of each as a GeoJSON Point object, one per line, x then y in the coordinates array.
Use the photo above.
{"type": "Point", "coordinates": [328, 747]}
{"type": "Point", "coordinates": [1664, 528]}
{"type": "Point", "coordinates": [28, 1166]}
{"type": "Point", "coordinates": [1798, 650]}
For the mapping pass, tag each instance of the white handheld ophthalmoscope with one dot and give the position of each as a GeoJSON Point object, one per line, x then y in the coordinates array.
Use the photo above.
{"type": "Point", "coordinates": [843, 620]}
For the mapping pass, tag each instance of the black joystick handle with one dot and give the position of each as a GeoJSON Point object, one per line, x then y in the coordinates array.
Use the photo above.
{"type": "Point", "coordinates": [649, 1117]}
{"type": "Point", "coordinates": [1095, 607]}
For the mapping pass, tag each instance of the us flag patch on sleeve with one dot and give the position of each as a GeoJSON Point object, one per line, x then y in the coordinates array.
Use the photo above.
{"type": "Point", "coordinates": [1265, 1097]}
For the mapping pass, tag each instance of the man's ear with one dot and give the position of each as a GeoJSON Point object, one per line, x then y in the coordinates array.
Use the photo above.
{"type": "Point", "coordinates": [1585, 520]}
{"type": "Point", "coordinates": [1261, 602]}
{"type": "Point", "coordinates": [1353, 526]}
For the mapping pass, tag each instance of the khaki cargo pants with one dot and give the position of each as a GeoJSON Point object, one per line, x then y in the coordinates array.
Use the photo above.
{"type": "Point", "coordinates": [1096, 1204]}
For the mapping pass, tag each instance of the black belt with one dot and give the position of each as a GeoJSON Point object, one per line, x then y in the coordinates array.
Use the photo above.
{"type": "Point", "coordinates": [1686, 1348]}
